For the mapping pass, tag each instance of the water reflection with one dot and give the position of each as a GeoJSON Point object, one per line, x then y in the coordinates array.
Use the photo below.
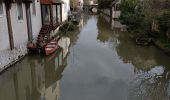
{"type": "Point", "coordinates": [102, 64]}
{"type": "Point", "coordinates": [151, 66]}
{"type": "Point", "coordinates": [74, 35]}
{"type": "Point", "coordinates": [35, 77]}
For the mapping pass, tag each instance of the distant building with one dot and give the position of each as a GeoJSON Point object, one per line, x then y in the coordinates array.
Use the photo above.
{"type": "Point", "coordinates": [116, 8]}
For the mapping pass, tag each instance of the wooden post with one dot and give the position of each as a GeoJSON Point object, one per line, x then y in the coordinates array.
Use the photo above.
{"type": "Point", "coordinates": [56, 14]}
{"type": "Point", "coordinates": [51, 14]}
{"type": "Point", "coordinates": [11, 40]}
{"type": "Point", "coordinates": [29, 23]}
{"type": "Point", "coordinates": [42, 16]}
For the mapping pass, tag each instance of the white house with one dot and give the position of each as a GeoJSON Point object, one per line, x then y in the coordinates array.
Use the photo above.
{"type": "Point", "coordinates": [21, 14]}
{"type": "Point", "coordinates": [65, 9]}
{"type": "Point", "coordinates": [20, 22]}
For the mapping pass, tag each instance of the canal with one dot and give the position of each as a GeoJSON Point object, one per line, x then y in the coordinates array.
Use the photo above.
{"type": "Point", "coordinates": [102, 63]}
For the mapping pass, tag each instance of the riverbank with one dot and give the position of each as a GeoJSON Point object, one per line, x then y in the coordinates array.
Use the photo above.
{"type": "Point", "coordinates": [157, 43]}
{"type": "Point", "coordinates": [162, 46]}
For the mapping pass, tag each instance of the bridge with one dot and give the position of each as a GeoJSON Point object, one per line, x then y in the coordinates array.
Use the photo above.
{"type": "Point", "coordinates": [92, 8]}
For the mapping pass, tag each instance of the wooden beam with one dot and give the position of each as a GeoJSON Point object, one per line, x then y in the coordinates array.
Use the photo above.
{"type": "Point", "coordinates": [11, 40]}
{"type": "Point", "coordinates": [29, 21]}
{"type": "Point", "coordinates": [51, 14]}
{"type": "Point", "coordinates": [42, 17]}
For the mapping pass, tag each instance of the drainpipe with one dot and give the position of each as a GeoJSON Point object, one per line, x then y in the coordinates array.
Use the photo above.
{"type": "Point", "coordinates": [29, 23]}
{"type": "Point", "coordinates": [11, 40]}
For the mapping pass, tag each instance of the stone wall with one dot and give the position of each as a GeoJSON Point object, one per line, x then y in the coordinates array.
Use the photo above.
{"type": "Point", "coordinates": [9, 57]}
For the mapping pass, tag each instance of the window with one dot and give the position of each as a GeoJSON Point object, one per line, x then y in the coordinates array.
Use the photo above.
{"type": "Point", "coordinates": [20, 11]}
{"type": "Point", "coordinates": [34, 8]}
{"type": "Point", "coordinates": [1, 8]}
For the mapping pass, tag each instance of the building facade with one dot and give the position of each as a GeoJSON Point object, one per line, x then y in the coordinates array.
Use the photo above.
{"type": "Point", "coordinates": [21, 21]}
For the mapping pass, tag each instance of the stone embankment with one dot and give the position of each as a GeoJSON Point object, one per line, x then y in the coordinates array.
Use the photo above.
{"type": "Point", "coordinates": [9, 57]}
{"type": "Point", "coordinates": [162, 47]}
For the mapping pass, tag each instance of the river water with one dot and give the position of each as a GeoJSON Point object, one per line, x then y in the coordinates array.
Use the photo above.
{"type": "Point", "coordinates": [102, 63]}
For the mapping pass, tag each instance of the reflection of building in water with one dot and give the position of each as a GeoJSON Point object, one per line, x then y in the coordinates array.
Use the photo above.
{"type": "Point", "coordinates": [115, 24]}
{"type": "Point", "coordinates": [105, 34]}
{"type": "Point", "coordinates": [81, 23]}
{"type": "Point", "coordinates": [35, 78]}
{"type": "Point", "coordinates": [64, 42]}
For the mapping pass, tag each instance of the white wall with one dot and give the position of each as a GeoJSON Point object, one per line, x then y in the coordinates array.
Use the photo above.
{"type": "Point", "coordinates": [4, 37]}
{"type": "Point", "coordinates": [36, 20]}
{"type": "Point", "coordinates": [115, 13]}
{"type": "Point", "coordinates": [65, 9]}
{"type": "Point", "coordinates": [19, 28]}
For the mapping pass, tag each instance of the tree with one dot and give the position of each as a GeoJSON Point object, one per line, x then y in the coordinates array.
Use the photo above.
{"type": "Point", "coordinates": [73, 4]}
{"type": "Point", "coordinates": [104, 3]}
{"type": "Point", "coordinates": [131, 14]}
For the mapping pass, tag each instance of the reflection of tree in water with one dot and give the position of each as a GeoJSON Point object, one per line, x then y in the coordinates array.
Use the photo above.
{"type": "Point", "coordinates": [106, 34]}
{"type": "Point", "coordinates": [124, 44]}
{"type": "Point", "coordinates": [141, 57]}
{"type": "Point", "coordinates": [103, 31]}
{"type": "Point", "coordinates": [74, 35]}
{"type": "Point", "coordinates": [152, 80]}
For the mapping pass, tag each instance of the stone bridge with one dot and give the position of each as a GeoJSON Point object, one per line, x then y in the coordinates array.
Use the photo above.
{"type": "Point", "coordinates": [93, 8]}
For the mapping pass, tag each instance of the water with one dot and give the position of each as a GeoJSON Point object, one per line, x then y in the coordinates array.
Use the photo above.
{"type": "Point", "coordinates": [102, 63]}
